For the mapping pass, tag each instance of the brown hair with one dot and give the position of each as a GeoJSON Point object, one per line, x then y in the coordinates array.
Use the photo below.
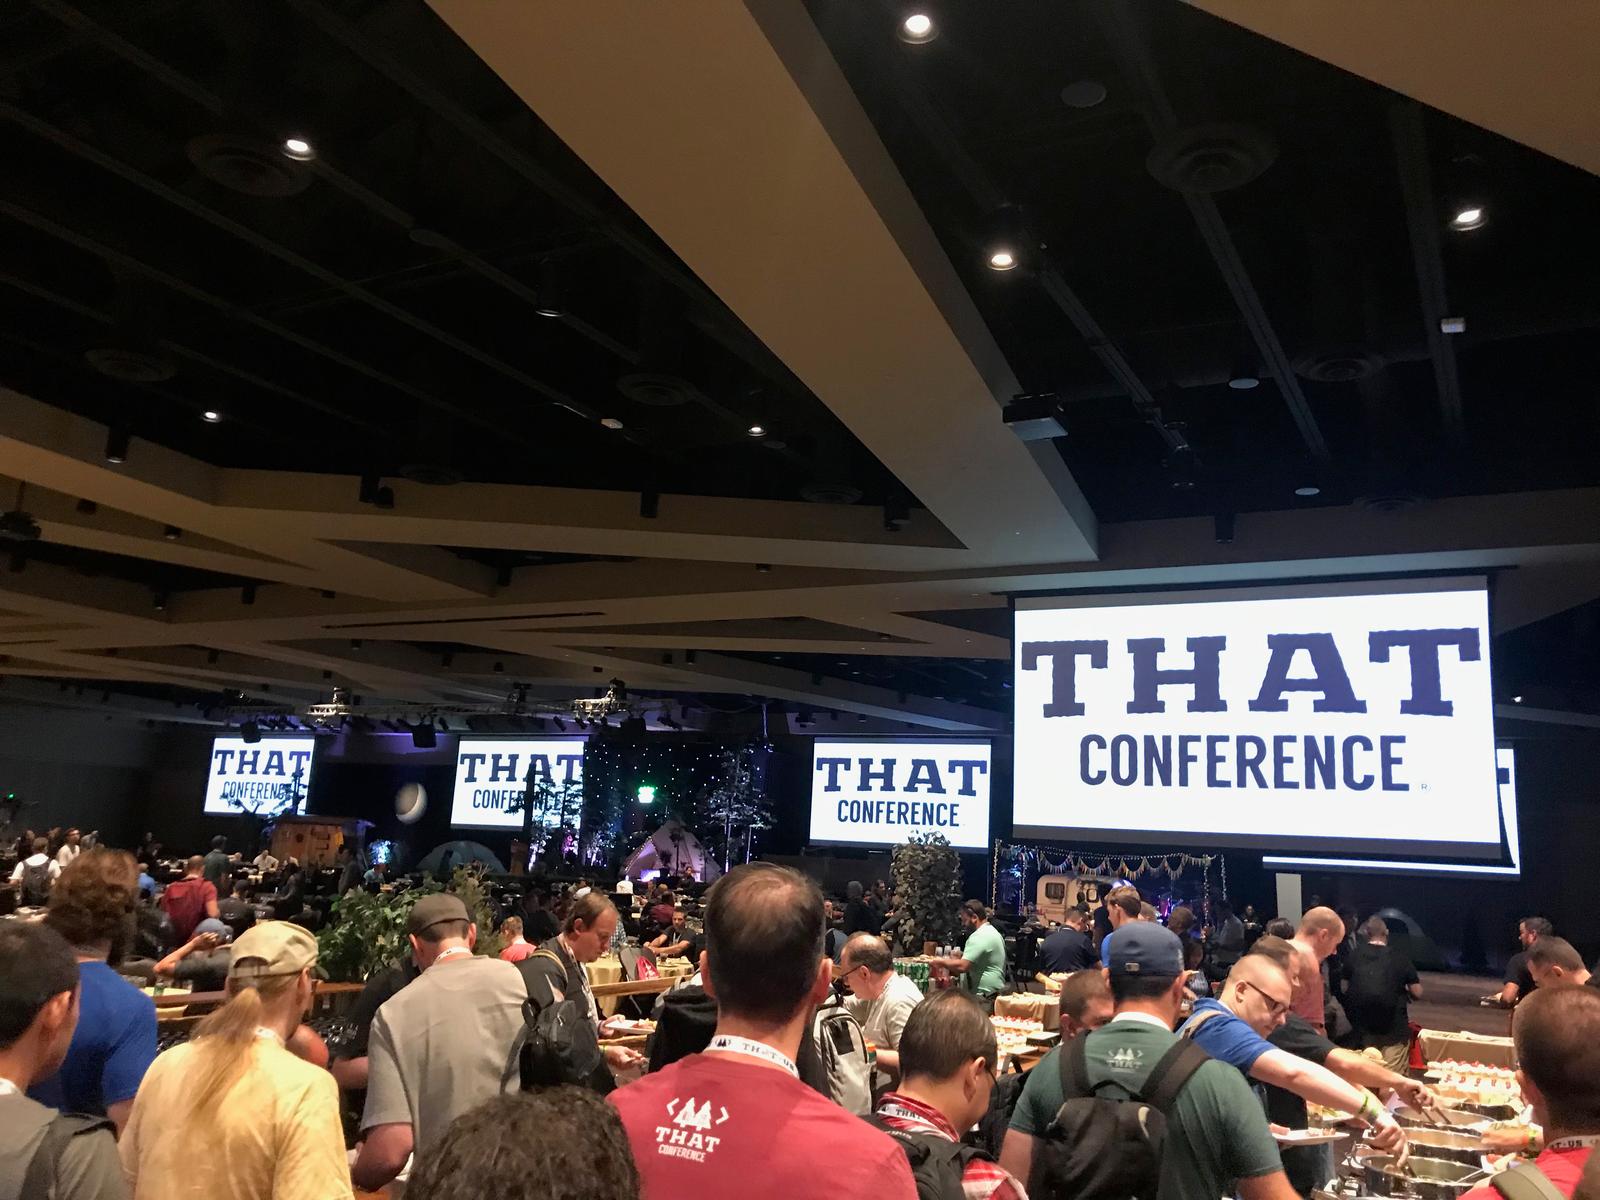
{"type": "Point", "coordinates": [1081, 989]}
{"type": "Point", "coordinates": [945, 1032]}
{"type": "Point", "coordinates": [587, 908]}
{"type": "Point", "coordinates": [1180, 920]}
{"type": "Point", "coordinates": [511, 927]}
{"type": "Point", "coordinates": [1128, 900]}
{"type": "Point", "coordinates": [94, 893]}
{"type": "Point", "coordinates": [763, 940]}
{"type": "Point", "coordinates": [1557, 1036]}
{"type": "Point", "coordinates": [1276, 948]}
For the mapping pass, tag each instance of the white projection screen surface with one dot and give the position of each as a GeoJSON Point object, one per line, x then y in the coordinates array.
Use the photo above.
{"type": "Point", "coordinates": [1351, 717]}
{"type": "Point", "coordinates": [879, 793]}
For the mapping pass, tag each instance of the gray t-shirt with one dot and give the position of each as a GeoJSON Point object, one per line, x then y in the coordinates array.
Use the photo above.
{"type": "Point", "coordinates": [883, 1019]}
{"type": "Point", "coordinates": [88, 1168]}
{"type": "Point", "coordinates": [441, 1046]}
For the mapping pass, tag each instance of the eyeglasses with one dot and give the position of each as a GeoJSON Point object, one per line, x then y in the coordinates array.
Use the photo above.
{"type": "Point", "coordinates": [1275, 1008]}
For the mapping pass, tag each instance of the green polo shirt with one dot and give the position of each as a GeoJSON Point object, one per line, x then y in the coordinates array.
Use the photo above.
{"type": "Point", "coordinates": [986, 951]}
{"type": "Point", "coordinates": [1216, 1135]}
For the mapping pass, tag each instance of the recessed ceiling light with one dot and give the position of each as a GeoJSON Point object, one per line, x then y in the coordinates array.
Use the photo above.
{"type": "Point", "coordinates": [211, 416]}
{"type": "Point", "coordinates": [1002, 258]}
{"type": "Point", "coordinates": [1308, 490]}
{"type": "Point", "coordinates": [1470, 217]}
{"type": "Point", "coordinates": [1244, 383]}
{"type": "Point", "coordinates": [1516, 699]}
{"type": "Point", "coordinates": [298, 149]}
{"type": "Point", "coordinates": [1085, 93]}
{"type": "Point", "coordinates": [611, 422]}
{"type": "Point", "coordinates": [918, 29]}
{"type": "Point", "coordinates": [757, 431]}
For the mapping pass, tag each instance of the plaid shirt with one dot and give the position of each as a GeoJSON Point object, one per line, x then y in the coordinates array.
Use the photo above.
{"type": "Point", "coordinates": [982, 1180]}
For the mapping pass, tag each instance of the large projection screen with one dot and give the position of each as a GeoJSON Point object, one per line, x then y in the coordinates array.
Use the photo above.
{"type": "Point", "coordinates": [879, 793]}
{"type": "Point", "coordinates": [264, 777]}
{"type": "Point", "coordinates": [1353, 717]}
{"type": "Point", "coordinates": [492, 774]}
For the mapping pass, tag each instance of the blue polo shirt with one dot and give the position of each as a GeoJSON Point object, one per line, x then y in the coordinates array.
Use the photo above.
{"type": "Point", "coordinates": [1226, 1036]}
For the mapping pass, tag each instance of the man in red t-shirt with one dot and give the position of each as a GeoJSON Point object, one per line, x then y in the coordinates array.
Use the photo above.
{"type": "Point", "coordinates": [1557, 1036]}
{"type": "Point", "coordinates": [948, 1057]}
{"type": "Point", "coordinates": [718, 1125]}
{"type": "Point", "coordinates": [189, 901]}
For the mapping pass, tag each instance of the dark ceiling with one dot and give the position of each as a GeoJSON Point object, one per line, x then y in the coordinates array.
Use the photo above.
{"type": "Point", "coordinates": [1334, 215]}
{"type": "Point", "coordinates": [376, 309]}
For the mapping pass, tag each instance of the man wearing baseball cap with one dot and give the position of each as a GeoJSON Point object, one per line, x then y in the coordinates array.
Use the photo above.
{"type": "Point", "coordinates": [232, 1112]}
{"type": "Point", "coordinates": [440, 1047]}
{"type": "Point", "coordinates": [1217, 1142]}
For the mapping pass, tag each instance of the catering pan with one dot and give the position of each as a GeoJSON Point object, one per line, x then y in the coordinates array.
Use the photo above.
{"type": "Point", "coordinates": [1442, 1118]}
{"type": "Point", "coordinates": [1424, 1178]}
{"type": "Point", "coordinates": [1446, 1146]}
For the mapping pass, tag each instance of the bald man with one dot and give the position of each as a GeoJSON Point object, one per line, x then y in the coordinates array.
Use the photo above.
{"type": "Point", "coordinates": [1320, 932]}
{"type": "Point", "coordinates": [1255, 1001]}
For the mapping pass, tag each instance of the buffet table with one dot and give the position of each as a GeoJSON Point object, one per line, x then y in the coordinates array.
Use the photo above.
{"type": "Point", "coordinates": [1030, 1006]}
{"type": "Point", "coordinates": [1439, 1046]}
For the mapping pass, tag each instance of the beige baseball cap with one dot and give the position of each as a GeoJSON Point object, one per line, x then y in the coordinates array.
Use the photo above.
{"type": "Point", "coordinates": [272, 948]}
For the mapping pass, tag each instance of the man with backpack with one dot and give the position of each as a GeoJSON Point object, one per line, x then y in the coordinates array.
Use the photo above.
{"type": "Point", "coordinates": [947, 1063]}
{"type": "Point", "coordinates": [44, 1153]}
{"type": "Point", "coordinates": [35, 874]}
{"type": "Point", "coordinates": [1557, 1037]}
{"type": "Point", "coordinates": [736, 1118]}
{"type": "Point", "coordinates": [1131, 1110]}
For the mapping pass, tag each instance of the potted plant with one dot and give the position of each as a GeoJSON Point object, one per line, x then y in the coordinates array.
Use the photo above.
{"type": "Point", "coordinates": [927, 883]}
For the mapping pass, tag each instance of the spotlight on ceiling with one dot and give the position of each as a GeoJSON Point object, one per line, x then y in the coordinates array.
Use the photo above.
{"type": "Point", "coordinates": [917, 29]}
{"type": "Point", "coordinates": [1469, 216]}
{"type": "Point", "coordinates": [250, 731]}
{"type": "Point", "coordinates": [299, 149]}
{"type": "Point", "coordinates": [1516, 699]}
{"type": "Point", "coordinates": [1308, 491]}
{"type": "Point", "coordinates": [211, 416]}
{"type": "Point", "coordinates": [172, 533]}
{"type": "Point", "coordinates": [1002, 258]}
{"type": "Point", "coordinates": [611, 422]}
{"type": "Point", "coordinates": [159, 601]}
{"type": "Point", "coordinates": [117, 445]}
{"type": "Point", "coordinates": [423, 736]}
{"type": "Point", "coordinates": [1452, 324]}
{"type": "Point", "coordinates": [757, 431]}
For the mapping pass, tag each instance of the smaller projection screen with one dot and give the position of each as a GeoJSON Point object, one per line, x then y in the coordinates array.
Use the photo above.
{"type": "Point", "coordinates": [262, 777]}
{"type": "Point", "coordinates": [1343, 717]}
{"type": "Point", "coordinates": [879, 793]}
{"type": "Point", "coordinates": [492, 773]}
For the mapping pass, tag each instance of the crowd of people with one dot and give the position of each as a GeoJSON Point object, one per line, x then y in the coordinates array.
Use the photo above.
{"type": "Point", "coordinates": [484, 1074]}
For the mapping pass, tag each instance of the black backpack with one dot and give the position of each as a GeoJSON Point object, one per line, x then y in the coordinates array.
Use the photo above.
{"type": "Point", "coordinates": [937, 1164]}
{"type": "Point", "coordinates": [558, 1043]}
{"type": "Point", "coordinates": [1003, 1099]}
{"type": "Point", "coordinates": [45, 1166]}
{"type": "Point", "coordinates": [1105, 1141]}
{"type": "Point", "coordinates": [36, 884]}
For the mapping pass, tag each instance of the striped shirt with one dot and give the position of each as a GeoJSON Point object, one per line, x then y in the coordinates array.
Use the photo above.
{"type": "Point", "coordinates": [983, 1178]}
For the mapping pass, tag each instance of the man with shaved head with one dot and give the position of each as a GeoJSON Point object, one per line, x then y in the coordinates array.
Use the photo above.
{"type": "Point", "coordinates": [714, 1125]}
{"type": "Point", "coordinates": [1557, 1037]}
{"type": "Point", "coordinates": [1254, 1001]}
{"type": "Point", "coordinates": [1552, 962]}
{"type": "Point", "coordinates": [1321, 930]}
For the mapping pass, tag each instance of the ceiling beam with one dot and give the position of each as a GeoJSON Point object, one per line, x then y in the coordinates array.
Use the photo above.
{"type": "Point", "coordinates": [768, 181]}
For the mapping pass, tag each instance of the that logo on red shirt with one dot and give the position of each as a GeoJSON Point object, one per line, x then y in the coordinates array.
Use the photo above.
{"type": "Point", "coordinates": [687, 1136]}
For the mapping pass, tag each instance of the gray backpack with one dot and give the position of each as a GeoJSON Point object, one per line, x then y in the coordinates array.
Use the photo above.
{"type": "Point", "coordinates": [840, 1069]}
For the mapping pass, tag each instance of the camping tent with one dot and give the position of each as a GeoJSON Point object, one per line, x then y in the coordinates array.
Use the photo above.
{"type": "Point", "coordinates": [672, 848]}
{"type": "Point", "coordinates": [461, 853]}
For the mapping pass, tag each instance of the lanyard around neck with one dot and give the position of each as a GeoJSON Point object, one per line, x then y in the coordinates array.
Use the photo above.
{"type": "Point", "coordinates": [1576, 1142]}
{"type": "Point", "coordinates": [453, 952]}
{"type": "Point", "coordinates": [729, 1044]}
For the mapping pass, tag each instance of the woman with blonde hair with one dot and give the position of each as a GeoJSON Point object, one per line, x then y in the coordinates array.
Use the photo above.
{"type": "Point", "coordinates": [232, 1112]}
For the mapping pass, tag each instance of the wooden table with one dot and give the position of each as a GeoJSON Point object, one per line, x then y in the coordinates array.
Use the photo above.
{"type": "Point", "coordinates": [173, 1008]}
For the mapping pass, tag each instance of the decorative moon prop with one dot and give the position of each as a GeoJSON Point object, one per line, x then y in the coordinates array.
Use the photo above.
{"type": "Point", "coordinates": [410, 802]}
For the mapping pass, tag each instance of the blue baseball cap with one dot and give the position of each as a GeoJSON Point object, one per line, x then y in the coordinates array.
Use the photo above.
{"type": "Point", "coordinates": [1143, 948]}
